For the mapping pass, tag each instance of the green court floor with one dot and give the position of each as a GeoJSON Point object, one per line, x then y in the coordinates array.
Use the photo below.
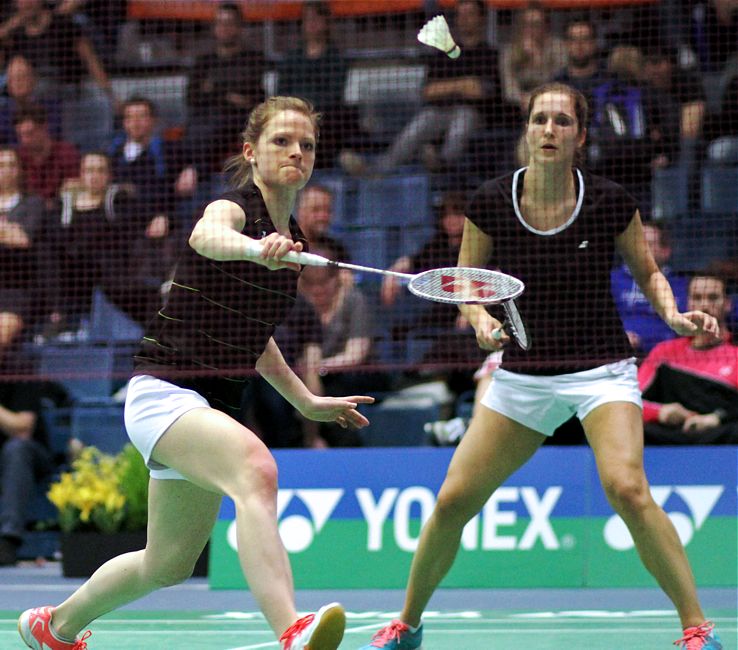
{"type": "Point", "coordinates": [468, 630]}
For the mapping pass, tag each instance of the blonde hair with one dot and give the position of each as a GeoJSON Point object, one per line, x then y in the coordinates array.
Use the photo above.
{"type": "Point", "coordinates": [259, 117]}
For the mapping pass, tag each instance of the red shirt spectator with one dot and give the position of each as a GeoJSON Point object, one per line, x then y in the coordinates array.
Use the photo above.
{"type": "Point", "coordinates": [46, 162]}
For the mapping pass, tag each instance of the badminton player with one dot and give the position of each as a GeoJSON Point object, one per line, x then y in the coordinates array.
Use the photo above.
{"type": "Point", "coordinates": [557, 228]}
{"type": "Point", "coordinates": [218, 319]}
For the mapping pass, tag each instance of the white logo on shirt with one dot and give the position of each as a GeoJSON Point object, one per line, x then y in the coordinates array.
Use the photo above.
{"type": "Point", "coordinates": [584, 244]}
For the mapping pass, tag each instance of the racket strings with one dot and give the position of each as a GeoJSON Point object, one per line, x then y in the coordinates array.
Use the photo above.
{"type": "Point", "coordinates": [465, 285]}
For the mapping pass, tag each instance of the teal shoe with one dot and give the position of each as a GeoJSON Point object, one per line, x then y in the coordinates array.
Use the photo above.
{"type": "Point", "coordinates": [396, 636]}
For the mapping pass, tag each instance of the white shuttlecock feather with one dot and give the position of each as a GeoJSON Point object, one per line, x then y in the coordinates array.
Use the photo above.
{"type": "Point", "coordinates": [436, 34]}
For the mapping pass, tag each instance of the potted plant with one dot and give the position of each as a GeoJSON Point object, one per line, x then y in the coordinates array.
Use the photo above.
{"type": "Point", "coordinates": [103, 505]}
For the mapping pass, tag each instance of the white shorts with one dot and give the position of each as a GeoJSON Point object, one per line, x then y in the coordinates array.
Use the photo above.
{"type": "Point", "coordinates": [543, 403]}
{"type": "Point", "coordinates": [152, 406]}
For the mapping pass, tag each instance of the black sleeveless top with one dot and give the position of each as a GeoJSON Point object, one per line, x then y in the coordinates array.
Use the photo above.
{"type": "Point", "coordinates": [219, 315]}
{"type": "Point", "coordinates": [567, 306]}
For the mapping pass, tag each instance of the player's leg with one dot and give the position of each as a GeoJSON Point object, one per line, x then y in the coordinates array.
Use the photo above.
{"type": "Point", "coordinates": [217, 453]}
{"type": "Point", "coordinates": [491, 450]}
{"type": "Point", "coordinates": [181, 518]}
{"type": "Point", "coordinates": [615, 433]}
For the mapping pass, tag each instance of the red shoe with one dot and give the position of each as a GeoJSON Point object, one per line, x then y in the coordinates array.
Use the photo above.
{"type": "Point", "coordinates": [34, 626]}
{"type": "Point", "coordinates": [320, 631]}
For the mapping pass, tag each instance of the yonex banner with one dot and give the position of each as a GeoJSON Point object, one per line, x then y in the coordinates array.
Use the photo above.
{"type": "Point", "coordinates": [351, 518]}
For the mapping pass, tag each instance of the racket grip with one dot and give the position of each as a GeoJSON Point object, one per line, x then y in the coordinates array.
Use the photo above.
{"type": "Point", "coordinates": [307, 259]}
{"type": "Point", "coordinates": [497, 333]}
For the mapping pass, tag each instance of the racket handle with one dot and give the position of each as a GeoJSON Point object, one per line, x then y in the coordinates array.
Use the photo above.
{"type": "Point", "coordinates": [307, 259]}
{"type": "Point", "coordinates": [497, 333]}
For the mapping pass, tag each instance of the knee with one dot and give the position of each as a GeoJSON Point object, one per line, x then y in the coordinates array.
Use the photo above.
{"type": "Point", "coordinates": [257, 474]}
{"type": "Point", "coordinates": [628, 492]}
{"type": "Point", "coordinates": [453, 507]}
{"type": "Point", "coordinates": [170, 572]}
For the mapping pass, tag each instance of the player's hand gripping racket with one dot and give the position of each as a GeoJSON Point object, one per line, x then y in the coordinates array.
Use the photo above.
{"type": "Point", "coordinates": [454, 285]}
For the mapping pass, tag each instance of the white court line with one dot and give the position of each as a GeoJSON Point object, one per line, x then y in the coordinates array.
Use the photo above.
{"type": "Point", "coordinates": [362, 628]}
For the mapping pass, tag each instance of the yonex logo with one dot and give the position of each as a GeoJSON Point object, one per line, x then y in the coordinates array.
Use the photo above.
{"type": "Point", "coordinates": [700, 500]}
{"type": "Point", "coordinates": [584, 244]}
{"type": "Point", "coordinates": [296, 530]}
{"type": "Point", "coordinates": [476, 288]}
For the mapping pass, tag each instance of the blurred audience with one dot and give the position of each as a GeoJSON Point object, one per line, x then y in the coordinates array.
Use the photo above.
{"type": "Point", "coordinates": [54, 43]}
{"type": "Point", "coordinates": [223, 86]}
{"type": "Point", "coordinates": [299, 339]}
{"type": "Point", "coordinates": [713, 32]}
{"type": "Point", "coordinates": [690, 384]}
{"type": "Point", "coordinates": [458, 95]}
{"type": "Point", "coordinates": [25, 459]}
{"type": "Point", "coordinates": [532, 57]}
{"type": "Point", "coordinates": [47, 163]}
{"type": "Point", "coordinates": [315, 216]}
{"type": "Point", "coordinates": [21, 226]}
{"type": "Point", "coordinates": [643, 325]}
{"type": "Point", "coordinates": [628, 135]}
{"type": "Point", "coordinates": [21, 90]}
{"type": "Point", "coordinates": [679, 92]}
{"type": "Point", "coordinates": [91, 243]}
{"type": "Point", "coordinates": [316, 70]}
{"type": "Point", "coordinates": [585, 66]}
{"type": "Point", "coordinates": [347, 327]}
{"type": "Point", "coordinates": [721, 130]}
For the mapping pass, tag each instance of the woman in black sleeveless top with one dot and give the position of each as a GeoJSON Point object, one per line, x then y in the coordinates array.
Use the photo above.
{"type": "Point", "coordinates": [215, 327]}
{"type": "Point", "coordinates": [557, 229]}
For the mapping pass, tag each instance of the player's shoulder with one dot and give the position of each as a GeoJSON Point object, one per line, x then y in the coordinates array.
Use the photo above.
{"type": "Point", "coordinates": [670, 347]}
{"type": "Point", "coordinates": [601, 184]}
{"type": "Point", "coordinates": [494, 187]}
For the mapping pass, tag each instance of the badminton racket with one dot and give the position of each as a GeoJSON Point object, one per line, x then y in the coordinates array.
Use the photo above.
{"type": "Point", "coordinates": [456, 285]}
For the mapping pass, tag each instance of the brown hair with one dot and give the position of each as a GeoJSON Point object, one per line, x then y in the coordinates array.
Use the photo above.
{"type": "Point", "coordinates": [259, 117]}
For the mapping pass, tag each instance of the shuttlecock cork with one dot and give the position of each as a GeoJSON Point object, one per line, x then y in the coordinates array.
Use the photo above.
{"type": "Point", "coordinates": [436, 34]}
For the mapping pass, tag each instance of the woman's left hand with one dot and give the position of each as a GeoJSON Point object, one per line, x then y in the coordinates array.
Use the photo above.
{"type": "Point", "coordinates": [691, 323]}
{"type": "Point", "coordinates": [341, 410]}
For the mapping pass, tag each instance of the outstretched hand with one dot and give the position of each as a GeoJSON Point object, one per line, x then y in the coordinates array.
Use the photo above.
{"type": "Point", "coordinates": [341, 410]}
{"type": "Point", "coordinates": [692, 323]}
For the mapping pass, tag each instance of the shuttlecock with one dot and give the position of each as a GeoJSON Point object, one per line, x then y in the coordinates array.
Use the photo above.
{"type": "Point", "coordinates": [436, 34]}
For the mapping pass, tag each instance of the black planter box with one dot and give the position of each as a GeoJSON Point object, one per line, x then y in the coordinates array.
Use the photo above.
{"type": "Point", "coordinates": [84, 552]}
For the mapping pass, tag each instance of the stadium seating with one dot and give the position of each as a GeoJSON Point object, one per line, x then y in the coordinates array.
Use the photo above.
{"type": "Point", "coordinates": [670, 193]}
{"type": "Point", "coordinates": [720, 190]}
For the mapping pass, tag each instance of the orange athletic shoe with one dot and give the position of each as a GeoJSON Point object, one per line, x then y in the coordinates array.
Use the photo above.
{"type": "Point", "coordinates": [320, 631]}
{"type": "Point", "coordinates": [34, 626]}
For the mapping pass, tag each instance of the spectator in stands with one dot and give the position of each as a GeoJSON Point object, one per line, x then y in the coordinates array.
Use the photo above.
{"type": "Point", "coordinates": [347, 332]}
{"type": "Point", "coordinates": [690, 385]}
{"type": "Point", "coordinates": [533, 56]}
{"type": "Point", "coordinates": [642, 324]}
{"type": "Point", "coordinates": [721, 130]}
{"type": "Point", "coordinates": [22, 90]}
{"type": "Point", "coordinates": [25, 459]}
{"type": "Point", "coordinates": [441, 250]}
{"type": "Point", "coordinates": [585, 66]}
{"type": "Point", "coordinates": [679, 92]}
{"type": "Point", "coordinates": [105, 16]}
{"type": "Point", "coordinates": [316, 70]}
{"type": "Point", "coordinates": [315, 216]}
{"type": "Point", "coordinates": [21, 225]}
{"type": "Point", "coordinates": [54, 43]}
{"type": "Point", "coordinates": [457, 341]}
{"type": "Point", "coordinates": [94, 241]}
{"type": "Point", "coordinates": [47, 163]}
{"type": "Point", "coordinates": [164, 179]}
{"type": "Point", "coordinates": [458, 95]}
{"type": "Point", "coordinates": [628, 133]}
{"type": "Point", "coordinates": [275, 420]}
{"type": "Point", "coordinates": [713, 32]}
{"type": "Point", "coordinates": [223, 86]}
